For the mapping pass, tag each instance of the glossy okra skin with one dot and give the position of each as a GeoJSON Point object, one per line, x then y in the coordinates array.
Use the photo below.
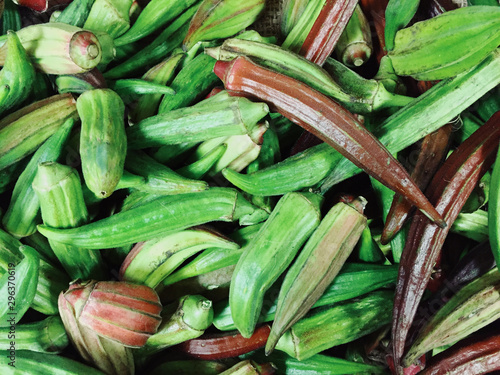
{"type": "Point", "coordinates": [165, 214]}
{"type": "Point", "coordinates": [268, 254]}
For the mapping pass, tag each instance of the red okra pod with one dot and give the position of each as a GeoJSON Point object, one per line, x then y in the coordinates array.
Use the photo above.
{"type": "Point", "coordinates": [327, 30]}
{"type": "Point", "coordinates": [220, 346]}
{"type": "Point", "coordinates": [328, 121]}
{"type": "Point", "coordinates": [449, 189]}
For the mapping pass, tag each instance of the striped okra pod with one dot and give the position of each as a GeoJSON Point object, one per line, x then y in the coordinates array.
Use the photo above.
{"type": "Point", "coordinates": [103, 143]}
{"type": "Point", "coordinates": [268, 254]}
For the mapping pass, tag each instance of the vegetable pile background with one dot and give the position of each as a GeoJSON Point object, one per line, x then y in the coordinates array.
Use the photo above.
{"type": "Point", "coordinates": [249, 187]}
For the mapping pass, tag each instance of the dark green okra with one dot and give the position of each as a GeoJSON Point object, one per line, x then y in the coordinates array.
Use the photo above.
{"type": "Point", "coordinates": [130, 89]}
{"type": "Point", "coordinates": [16, 76]}
{"type": "Point", "coordinates": [11, 19]}
{"type": "Point", "coordinates": [353, 280]}
{"type": "Point", "coordinates": [489, 104]}
{"type": "Point", "coordinates": [268, 255]}
{"type": "Point", "coordinates": [165, 214]}
{"type": "Point", "coordinates": [72, 84]}
{"type": "Point", "coordinates": [159, 178]}
{"type": "Point", "coordinates": [199, 168]}
{"type": "Point", "coordinates": [319, 330]}
{"type": "Point", "coordinates": [23, 131]}
{"type": "Point", "coordinates": [20, 219]}
{"type": "Point", "coordinates": [103, 143]}
{"type": "Point", "coordinates": [61, 202]}
{"type": "Point", "coordinates": [45, 336]}
{"type": "Point", "coordinates": [234, 116]}
{"type": "Point", "coordinates": [157, 50]}
{"type": "Point", "coordinates": [76, 13]}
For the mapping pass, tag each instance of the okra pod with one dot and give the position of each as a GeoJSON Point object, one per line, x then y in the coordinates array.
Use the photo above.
{"type": "Point", "coordinates": [165, 214]}
{"type": "Point", "coordinates": [317, 265]}
{"type": "Point", "coordinates": [199, 168]}
{"type": "Point", "coordinates": [234, 116]}
{"type": "Point", "coordinates": [20, 217]}
{"type": "Point", "coordinates": [398, 14]}
{"type": "Point", "coordinates": [290, 14]}
{"type": "Point", "coordinates": [343, 132]}
{"type": "Point", "coordinates": [249, 367]}
{"type": "Point", "coordinates": [472, 225]}
{"type": "Point", "coordinates": [110, 17]}
{"type": "Point", "coordinates": [23, 131]}
{"type": "Point", "coordinates": [449, 188]}
{"type": "Point", "coordinates": [268, 254]}
{"type": "Point", "coordinates": [76, 13]}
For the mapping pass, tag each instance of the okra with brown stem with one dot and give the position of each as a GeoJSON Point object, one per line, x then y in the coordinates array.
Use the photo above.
{"type": "Point", "coordinates": [328, 121]}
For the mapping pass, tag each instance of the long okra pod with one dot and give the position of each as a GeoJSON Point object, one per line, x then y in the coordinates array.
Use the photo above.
{"type": "Point", "coordinates": [328, 121]}
{"type": "Point", "coordinates": [163, 215]}
{"type": "Point", "coordinates": [449, 189]}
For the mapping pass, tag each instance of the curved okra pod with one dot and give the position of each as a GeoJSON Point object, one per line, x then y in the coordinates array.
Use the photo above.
{"type": "Point", "coordinates": [165, 214]}
{"type": "Point", "coordinates": [446, 45]}
{"type": "Point", "coordinates": [398, 14]}
{"type": "Point", "coordinates": [150, 262]}
{"type": "Point", "coordinates": [20, 217]}
{"type": "Point", "coordinates": [199, 168]}
{"type": "Point", "coordinates": [234, 116]}
{"type": "Point", "coordinates": [269, 254]}
{"type": "Point", "coordinates": [130, 88]}
{"type": "Point", "coordinates": [319, 330]}
{"type": "Point", "coordinates": [103, 143]}
{"type": "Point", "coordinates": [328, 121]}
{"type": "Point", "coordinates": [23, 131]}
{"type": "Point", "coordinates": [16, 76]}
{"type": "Point", "coordinates": [159, 178]}
{"type": "Point", "coordinates": [327, 29]}
{"type": "Point", "coordinates": [218, 19]}
{"type": "Point", "coordinates": [449, 189]}
{"type": "Point", "coordinates": [317, 265]}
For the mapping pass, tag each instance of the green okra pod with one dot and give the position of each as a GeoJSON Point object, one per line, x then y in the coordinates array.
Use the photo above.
{"type": "Point", "coordinates": [235, 116]}
{"type": "Point", "coordinates": [156, 51]}
{"type": "Point", "coordinates": [61, 202]}
{"type": "Point", "coordinates": [103, 142]}
{"type": "Point", "coordinates": [72, 84]}
{"type": "Point", "coordinates": [45, 336]}
{"type": "Point", "coordinates": [11, 19]}
{"type": "Point", "coordinates": [129, 180]}
{"type": "Point", "coordinates": [317, 265]}
{"type": "Point", "coordinates": [269, 254]}
{"type": "Point", "coordinates": [19, 284]}
{"type": "Point", "coordinates": [162, 73]}
{"type": "Point", "coordinates": [23, 131]}
{"type": "Point", "coordinates": [171, 154]}
{"type": "Point", "coordinates": [354, 46]}
{"type": "Point", "coordinates": [398, 14]}
{"type": "Point", "coordinates": [199, 168]}
{"type": "Point", "coordinates": [353, 280]}
{"type": "Point", "coordinates": [489, 104]}
{"type": "Point", "coordinates": [194, 80]}
{"type": "Point", "coordinates": [159, 178]}
{"type": "Point", "coordinates": [494, 209]}
{"type": "Point", "coordinates": [76, 13]}
{"type": "Point", "coordinates": [131, 88]}
{"type": "Point", "coordinates": [20, 219]}
{"type": "Point", "coordinates": [472, 225]}
{"type": "Point", "coordinates": [109, 16]}
{"type": "Point", "coordinates": [16, 76]}
{"type": "Point", "coordinates": [217, 19]}
{"type": "Point", "coordinates": [42, 246]}
{"type": "Point", "coordinates": [10, 174]}
{"type": "Point", "coordinates": [330, 326]}
{"type": "Point", "coordinates": [291, 12]}
{"type": "Point", "coordinates": [250, 367]}
{"type": "Point", "coordinates": [162, 215]}
{"type": "Point", "coordinates": [150, 262]}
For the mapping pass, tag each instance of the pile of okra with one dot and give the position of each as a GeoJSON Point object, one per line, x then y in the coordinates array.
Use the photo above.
{"type": "Point", "coordinates": [249, 187]}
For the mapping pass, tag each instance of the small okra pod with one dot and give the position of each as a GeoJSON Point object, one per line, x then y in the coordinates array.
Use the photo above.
{"type": "Point", "coordinates": [76, 13]}
{"type": "Point", "coordinates": [159, 178]}
{"type": "Point", "coordinates": [150, 262]}
{"type": "Point", "coordinates": [317, 265]}
{"type": "Point", "coordinates": [234, 116]}
{"type": "Point", "coordinates": [45, 336]}
{"type": "Point", "coordinates": [62, 206]}
{"type": "Point", "coordinates": [449, 189]}
{"type": "Point", "coordinates": [157, 50]}
{"type": "Point", "coordinates": [22, 289]}
{"type": "Point", "coordinates": [111, 17]}
{"type": "Point", "coordinates": [327, 29]}
{"type": "Point", "coordinates": [472, 225]}
{"type": "Point", "coordinates": [103, 142]}
{"type": "Point", "coordinates": [200, 168]}
{"type": "Point", "coordinates": [268, 255]}
{"type": "Point", "coordinates": [72, 84]}
{"type": "Point", "coordinates": [130, 181]}
{"type": "Point", "coordinates": [23, 131]}
{"type": "Point", "coordinates": [446, 45]}
{"type": "Point", "coordinates": [218, 19]}
{"type": "Point", "coordinates": [160, 216]}
{"type": "Point", "coordinates": [194, 80]}
{"type": "Point", "coordinates": [327, 120]}
{"type": "Point", "coordinates": [130, 88]}
{"type": "Point", "coordinates": [183, 320]}
{"type": "Point", "coordinates": [250, 367]}
{"type": "Point", "coordinates": [20, 219]}
{"type": "Point", "coordinates": [189, 367]}
{"type": "Point", "coordinates": [398, 14]}
{"type": "Point", "coordinates": [162, 73]}
{"type": "Point", "coordinates": [154, 16]}
{"type": "Point", "coordinates": [225, 345]}
{"type": "Point", "coordinates": [58, 48]}
{"type": "Point", "coordinates": [473, 307]}
{"type": "Point", "coordinates": [16, 76]}
{"type": "Point", "coordinates": [330, 326]}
